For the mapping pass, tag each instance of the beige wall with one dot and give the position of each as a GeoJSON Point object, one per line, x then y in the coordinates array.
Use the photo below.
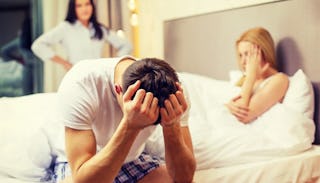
{"type": "Point", "coordinates": [152, 14]}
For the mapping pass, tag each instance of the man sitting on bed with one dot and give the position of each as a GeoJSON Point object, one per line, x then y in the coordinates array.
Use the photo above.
{"type": "Point", "coordinates": [110, 108]}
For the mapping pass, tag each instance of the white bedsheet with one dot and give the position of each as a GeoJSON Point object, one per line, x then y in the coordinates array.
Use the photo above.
{"type": "Point", "coordinates": [223, 141]}
{"type": "Point", "coordinates": [6, 179]}
{"type": "Point", "coordinates": [300, 168]}
{"type": "Point", "coordinates": [22, 116]}
{"type": "Point", "coordinates": [20, 119]}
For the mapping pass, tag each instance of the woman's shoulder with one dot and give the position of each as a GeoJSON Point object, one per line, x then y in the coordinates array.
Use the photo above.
{"type": "Point", "coordinates": [278, 79]}
{"type": "Point", "coordinates": [281, 77]}
{"type": "Point", "coordinates": [64, 25]}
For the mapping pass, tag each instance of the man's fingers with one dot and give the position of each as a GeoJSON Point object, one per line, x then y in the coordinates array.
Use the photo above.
{"type": "Point", "coordinates": [169, 107]}
{"type": "Point", "coordinates": [146, 104]}
{"type": "Point", "coordinates": [178, 107]}
{"type": "Point", "coordinates": [131, 91]}
{"type": "Point", "coordinates": [181, 99]}
{"type": "Point", "coordinates": [164, 114]}
{"type": "Point", "coordinates": [178, 85]}
{"type": "Point", "coordinates": [139, 97]}
{"type": "Point", "coordinates": [154, 106]}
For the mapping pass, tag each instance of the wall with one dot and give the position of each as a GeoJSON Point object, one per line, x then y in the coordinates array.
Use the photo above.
{"type": "Point", "coordinates": [152, 14]}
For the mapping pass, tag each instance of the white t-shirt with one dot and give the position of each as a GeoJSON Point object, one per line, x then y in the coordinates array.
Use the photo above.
{"type": "Point", "coordinates": [77, 42]}
{"type": "Point", "coordinates": [88, 101]}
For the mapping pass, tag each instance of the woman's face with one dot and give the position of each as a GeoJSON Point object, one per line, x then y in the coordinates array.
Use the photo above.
{"type": "Point", "coordinates": [247, 50]}
{"type": "Point", "coordinates": [83, 10]}
{"type": "Point", "coordinates": [243, 53]}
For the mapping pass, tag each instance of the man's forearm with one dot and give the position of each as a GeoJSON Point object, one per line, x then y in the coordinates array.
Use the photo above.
{"type": "Point", "coordinates": [105, 165]}
{"type": "Point", "coordinates": [179, 157]}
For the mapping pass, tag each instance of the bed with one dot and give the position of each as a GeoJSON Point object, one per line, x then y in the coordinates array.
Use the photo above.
{"type": "Point", "coordinates": [204, 45]}
{"type": "Point", "coordinates": [297, 167]}
{"type": "Point", "coordinates": [22, 117]}
{"type": "Point", "coordinates": [26, 154]}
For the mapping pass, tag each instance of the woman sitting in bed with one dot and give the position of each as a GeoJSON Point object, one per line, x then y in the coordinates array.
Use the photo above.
{"type": "Point", "coordinates": [260, 126]}
{"type": "Point", "coordinates": [256, 123]}
{"type": "Point", "coordinates": [262, 85]}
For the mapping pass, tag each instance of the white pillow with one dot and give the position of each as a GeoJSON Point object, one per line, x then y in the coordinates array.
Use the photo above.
{"type": "Point", "coordinates": [300, 96]}
{"type": "Point", "coordinates": [234, 76]}
{"type": "Point", "coordinates": [21, 118]}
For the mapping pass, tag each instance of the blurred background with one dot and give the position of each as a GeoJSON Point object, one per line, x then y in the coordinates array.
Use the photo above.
{"type": "Point", "coordinates": [140, 21]}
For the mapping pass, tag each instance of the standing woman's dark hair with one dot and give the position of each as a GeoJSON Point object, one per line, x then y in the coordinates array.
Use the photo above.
{"type": "Point", "coordinates": [72, 17]}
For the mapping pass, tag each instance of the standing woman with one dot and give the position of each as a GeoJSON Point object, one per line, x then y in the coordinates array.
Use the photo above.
{"type": "Point", "coordinates": [81, 35]}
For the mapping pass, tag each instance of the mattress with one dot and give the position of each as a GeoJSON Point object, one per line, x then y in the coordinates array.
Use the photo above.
{"type": "Point", "coordinates": [303, 167]}
{"type": "Point", "coordinates": [299, 168]}
{"type": "Point", "coordinates": [5, 179]}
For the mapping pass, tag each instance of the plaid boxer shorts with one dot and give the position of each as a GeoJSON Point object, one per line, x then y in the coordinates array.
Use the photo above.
{"type": "Point", "coordinates": [129, 173]}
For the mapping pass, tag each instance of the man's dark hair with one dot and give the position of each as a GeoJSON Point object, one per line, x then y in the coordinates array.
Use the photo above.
{"type": "Point", "coordinates": [156, 76]}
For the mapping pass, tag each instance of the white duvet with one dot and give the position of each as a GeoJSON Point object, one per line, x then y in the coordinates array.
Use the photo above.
{"type": "Point", "coordinates": [21, 118]}
{"type": "Point", "coordinates": [220, 140]}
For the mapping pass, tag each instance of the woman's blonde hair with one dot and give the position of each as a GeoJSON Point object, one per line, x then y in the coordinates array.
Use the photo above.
{"type": "Point", "coordinates": [261, 37]}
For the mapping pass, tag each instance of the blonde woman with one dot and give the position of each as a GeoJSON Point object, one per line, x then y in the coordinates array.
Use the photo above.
{"type": "Point", "coordinates": [262, 85]}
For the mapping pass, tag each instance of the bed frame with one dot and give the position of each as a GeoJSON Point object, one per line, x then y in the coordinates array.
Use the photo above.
{"type": "Point", "coordinates": [205, 44]}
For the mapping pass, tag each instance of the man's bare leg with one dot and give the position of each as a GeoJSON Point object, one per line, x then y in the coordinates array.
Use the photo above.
{"type": "Point", "coordinates": [159, 175]}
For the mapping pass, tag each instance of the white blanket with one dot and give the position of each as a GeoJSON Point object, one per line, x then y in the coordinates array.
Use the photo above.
{"type": "Point", "coordinates": [220, 140]}
{"type": "Point", "coordinates": [20, 119]}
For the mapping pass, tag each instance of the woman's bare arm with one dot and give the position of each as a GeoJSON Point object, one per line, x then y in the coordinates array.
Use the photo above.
{"type": "Point", "coordinates": [57, 59]}
{"type": "Point", "coordinates": [248, 106]}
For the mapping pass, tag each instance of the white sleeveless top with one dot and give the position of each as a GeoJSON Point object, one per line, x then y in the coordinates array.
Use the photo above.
{"type": "Point", "coordinates": [263, 83]}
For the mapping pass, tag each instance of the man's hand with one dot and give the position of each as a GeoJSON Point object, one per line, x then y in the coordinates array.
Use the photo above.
{"type": "Point", "coordinates": [177, 139]}
{"type": "Point", "coordinates": [142, 110]}
{"type": "Point", "coordinates": [174, 108]}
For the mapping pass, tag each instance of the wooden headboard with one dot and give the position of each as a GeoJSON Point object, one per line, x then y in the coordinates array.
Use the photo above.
{"type": "Point", "coordinates": [205, 44]}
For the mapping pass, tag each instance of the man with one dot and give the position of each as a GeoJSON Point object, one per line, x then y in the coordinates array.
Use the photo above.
{"type": "Point", "coordinates": [110, 107]}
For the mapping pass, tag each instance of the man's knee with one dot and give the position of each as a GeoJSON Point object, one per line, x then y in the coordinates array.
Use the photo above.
{"type": "Point", "coordinates": [159, 175]}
